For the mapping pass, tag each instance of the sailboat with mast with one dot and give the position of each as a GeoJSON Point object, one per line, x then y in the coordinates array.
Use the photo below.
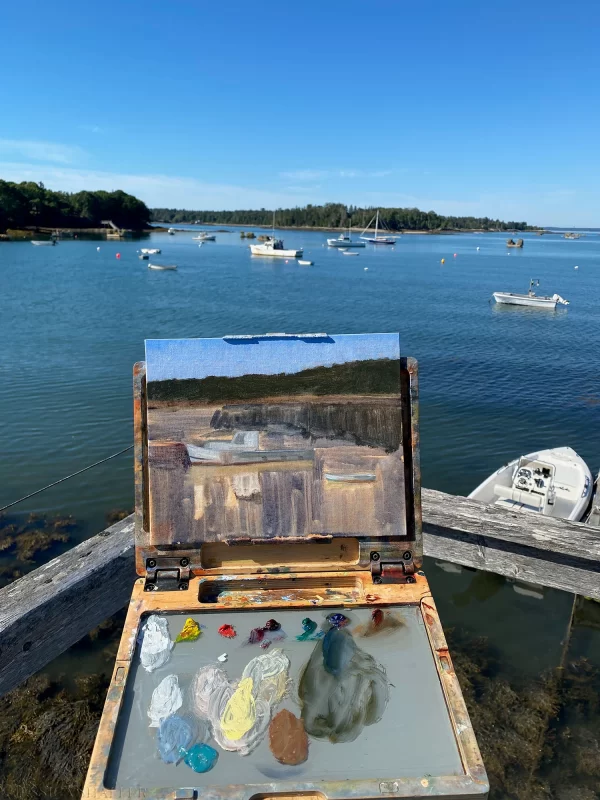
{"type": "Point", "coordinates": [377, 239]}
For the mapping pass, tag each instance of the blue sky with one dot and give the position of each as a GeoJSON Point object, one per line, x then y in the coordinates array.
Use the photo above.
{"type": "Point", "coordinates": [464, 108]}
{"type": "Point", "coordinates": [197, 358]}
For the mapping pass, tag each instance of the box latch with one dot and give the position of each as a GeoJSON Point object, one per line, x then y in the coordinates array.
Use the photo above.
{"type": "Point", "coordinates": [392, 570]}
{"type": "Point", "coordinates": [167, 574]}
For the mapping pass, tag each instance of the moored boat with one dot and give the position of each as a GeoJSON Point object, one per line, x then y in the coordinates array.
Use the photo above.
{"type": "Point", "coordinates": [154, 251]}
{"type": "Point", "coordinates": [345, 240]}
{"type": "Point", "coordinates": [171, 231]}
{"type": "Point", "coordinates": [376, 238]}
{"type": "Point", "coordinates": [348, 253]}
{"type": "Point", "coordinates": [143, 256]}
{"type": "Point", "coordinates": [162, 266]}
{"type": "Point", "coordinates": [530, 299]}
{"type": "Point", "coordinates": [554, 483]}
{"type": "Point", "coordinates": [43, 242]}
{"type": "Point", "coordinates": [305, 263]}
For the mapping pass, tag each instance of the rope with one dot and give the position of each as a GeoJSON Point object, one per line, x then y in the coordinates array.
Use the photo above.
{"type": "Point", "coordinates": [66, 478]}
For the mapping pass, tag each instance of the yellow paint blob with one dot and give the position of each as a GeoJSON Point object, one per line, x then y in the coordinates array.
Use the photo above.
{"type": "Point", "coordinates": [190, 631]}
{"type": "Point", "coordinates": [240, 712]}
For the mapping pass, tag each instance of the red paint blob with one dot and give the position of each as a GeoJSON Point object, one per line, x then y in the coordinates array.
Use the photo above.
{"type": "Point", "coordinates": [377, 617]}
{"type": "Point", "coordinates": [228, 631]}
{"type": "Point", "coordinates": [256, 635]}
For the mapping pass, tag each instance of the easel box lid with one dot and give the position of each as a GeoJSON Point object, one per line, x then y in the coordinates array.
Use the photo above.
{"type": "Point", "coordinates": [277, 439]}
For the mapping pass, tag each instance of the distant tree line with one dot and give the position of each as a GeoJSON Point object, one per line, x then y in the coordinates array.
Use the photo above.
{"type": "Point", "coordinates": [337, 215]}
{"type": "Point", "coordinates": [31, 204]}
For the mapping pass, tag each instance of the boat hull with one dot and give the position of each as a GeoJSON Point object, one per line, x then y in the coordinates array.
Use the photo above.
{"type": "Point", "coordinates": [43, 243]}
{"type": "Point", "coordinates": [269, 252]}
{"type": "Point", "coordinates": [379, 240]}
{"type": "Point", "coordinates": [507, 298]}
{"type": "Point", "coordinates": [162, 267]}
{"type": "Point", "coordinates": [342, 243]}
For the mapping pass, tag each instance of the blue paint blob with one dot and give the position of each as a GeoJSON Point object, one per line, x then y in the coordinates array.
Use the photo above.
{"type": "Point", "coordinates": [200, 757]}
{"type": "Point", "coordinates": [337, 620]}
{"type": "Point", "coordinates": [174, 734]}
{"type": "Point", "coordinates": [338, 649]}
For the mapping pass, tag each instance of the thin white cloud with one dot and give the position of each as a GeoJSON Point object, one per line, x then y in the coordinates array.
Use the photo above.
{"type": "Point", "coordinates": [91, 128]}
{"type": "Point", "coordinates": [158, 191]}
{"type": "Point", "coordinates": [316, 174]}
{"type": "Point", "coordinates": [41, 151]}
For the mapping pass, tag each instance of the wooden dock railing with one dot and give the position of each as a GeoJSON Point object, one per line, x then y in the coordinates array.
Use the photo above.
{"type": "Point", "coordinates": [51, 608]}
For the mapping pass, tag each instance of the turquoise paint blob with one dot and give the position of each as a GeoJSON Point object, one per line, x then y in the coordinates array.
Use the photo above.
{"type": "Point", "coordinates": [200, 757]}
{"type": "Point", "coordinates": [309, 626]}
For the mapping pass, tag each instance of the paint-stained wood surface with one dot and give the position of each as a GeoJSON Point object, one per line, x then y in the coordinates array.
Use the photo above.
{"type": "Point", "coordinates": [45, 612]}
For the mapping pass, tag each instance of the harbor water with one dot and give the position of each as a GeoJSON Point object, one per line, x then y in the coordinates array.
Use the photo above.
{"type": "Point", "coordinates": [495, 381]}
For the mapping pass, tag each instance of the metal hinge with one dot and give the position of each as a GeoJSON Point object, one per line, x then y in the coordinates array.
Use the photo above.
{"type": "Point", "coordinates": [401, 570]}
{"type": "Point", "coordinates": [167, 574]}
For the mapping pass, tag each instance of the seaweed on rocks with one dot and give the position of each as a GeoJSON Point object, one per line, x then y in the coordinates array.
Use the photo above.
{"type": "Point", "coordinates": [46, 737]}
{"type": "Point", "coordinates": [25, 544]}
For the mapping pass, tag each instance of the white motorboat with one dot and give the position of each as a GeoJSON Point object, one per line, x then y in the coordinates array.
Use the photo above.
{"type": "Point", "coordinates": [376, 238]}
{"type": "Point", "coordinates": [305, 263]}
{"type": "Point", "coordinates": [347, 253]}
{"type": "Point", "coordinates": [553, 483]}
{"type": "Point", "coordinates": [171, 231]}
{"type": "Point", "coordinates": [345, 240]}
{"type": "Point", "coordinates": [205, 237]}
{"type": "Point", "coordinates": [43, 242]}
{"type": "Point", "coordinates": [593, 515]}
{"type": "Point", "coordinates": [155, 251]}
{"type": "Point", "coordinates": [162, 266]}
{"type": "Point", "coordinates": [274, 247]}
{"type": "Point", "coordinates": [530, 299]}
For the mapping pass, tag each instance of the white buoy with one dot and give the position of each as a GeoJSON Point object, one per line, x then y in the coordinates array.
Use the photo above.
{"type": "Point", "coordinates": [576, 267]}
{"type": "Point", "coordinates": [366, 269]}
{"type": "Point", "coordinates": [478, 248]}
{"type": "Point", "coordinates": [98, 249]}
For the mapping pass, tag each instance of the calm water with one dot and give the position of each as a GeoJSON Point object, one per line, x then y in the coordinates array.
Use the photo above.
{"type": "Point", "coordinates": [495, 382]}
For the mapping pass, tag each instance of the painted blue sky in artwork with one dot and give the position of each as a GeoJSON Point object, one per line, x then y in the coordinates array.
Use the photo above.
{"type": "Point", "coordinates": [198, 358]}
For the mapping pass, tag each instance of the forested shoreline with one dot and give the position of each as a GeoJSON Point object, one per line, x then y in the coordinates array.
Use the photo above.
{"type": "Point", "coordinates": [29, 204]}
{"type": "Point", "coordinates": [337, 215]}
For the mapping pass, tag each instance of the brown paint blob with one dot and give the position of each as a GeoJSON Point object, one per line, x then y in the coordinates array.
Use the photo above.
{"type": "Point", "coordinates": [287, 738]}
{"type": "Point", "coordinates": [377, 617]}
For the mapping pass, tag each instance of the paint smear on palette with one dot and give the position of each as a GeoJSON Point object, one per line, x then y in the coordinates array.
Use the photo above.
{"type": "Point", "coordinates": [287, 738]}
{"type": "Point", "coordinates": [166, 700]}
{"type": "Point", "coordinates": [156, 645]}
{"type": "Point", "coordinates": [240, 713]}
{"type": "Point", "coordinates": [190, 631]}
{"type": "Point", "coordinates": [266, 636]}
{"type": "Point", "coordinates": [381, 622]}
{"type": "Point", "coordinates": [309, 627]}
{"type": "Point", "coordinates": [174, 734]}
{"type": "Point", "coordinates": [342, 688]}
{"type": "Point", "coordinates": [228, 631]}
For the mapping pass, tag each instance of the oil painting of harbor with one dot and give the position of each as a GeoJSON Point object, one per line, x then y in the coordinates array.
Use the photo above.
{"type": "Point", "coordinates": [237, 424]}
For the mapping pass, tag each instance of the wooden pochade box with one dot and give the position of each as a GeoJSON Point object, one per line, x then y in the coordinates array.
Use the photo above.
{"type": "Point", "coordinates": [281, 640]}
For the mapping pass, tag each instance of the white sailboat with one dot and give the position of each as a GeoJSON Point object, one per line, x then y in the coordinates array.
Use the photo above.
{"type": "Point", "coordinates": [530, 299]}
{"type": "Point", "coordinates": [345, 239]}
{"type": "Point", "coordinates": [274, 247]}
{"type": "Point", "coordinates": [553, 483]}
{"type": "Point", "coordinates": [377, 239]}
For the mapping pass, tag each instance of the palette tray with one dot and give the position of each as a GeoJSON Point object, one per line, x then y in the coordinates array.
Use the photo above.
{"type": "Point", "coordinates": [347, 747]}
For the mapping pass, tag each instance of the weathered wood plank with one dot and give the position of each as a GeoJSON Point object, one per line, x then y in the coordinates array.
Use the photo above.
{"type": "Point", "coordinates": [51, 608]}
{"type": "Point", "coordinates": [47, 611]}
{"type": "Point", "coordinates": [549, 552]}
